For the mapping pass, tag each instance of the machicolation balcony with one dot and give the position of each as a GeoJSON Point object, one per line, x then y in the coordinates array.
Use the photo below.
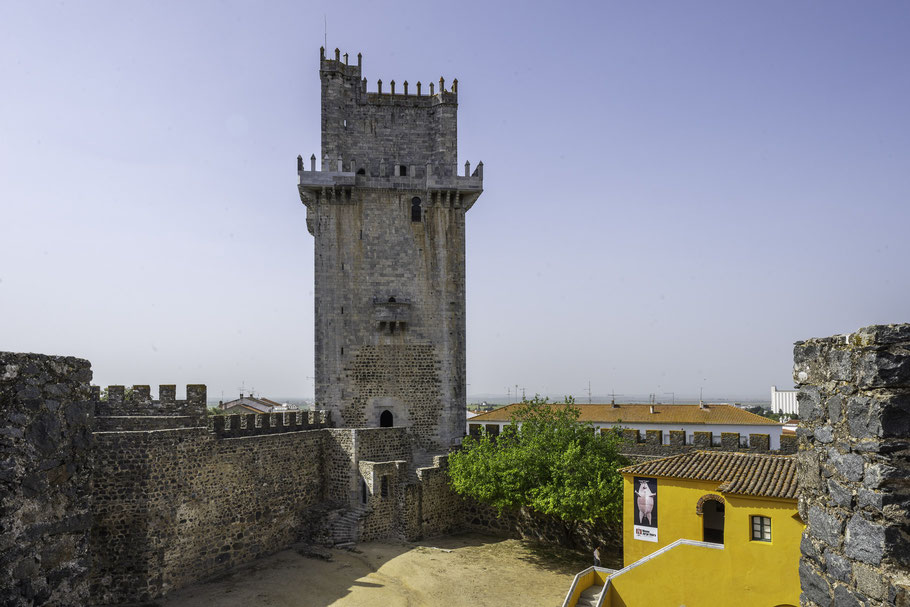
{"type": "Point", "coordinates": [392, 312]}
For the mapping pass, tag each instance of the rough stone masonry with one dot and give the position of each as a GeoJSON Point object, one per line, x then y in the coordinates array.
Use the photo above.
{"type": "Point", "coordinates": [854, 467]}
{"type": "Point", "coordinates": [387, 210]}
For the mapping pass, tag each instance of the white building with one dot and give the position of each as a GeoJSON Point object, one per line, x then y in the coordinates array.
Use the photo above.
{"type": "Point", "coordinates": [784, 401]}
{"type": "Point", "coordinates": [716, 419]}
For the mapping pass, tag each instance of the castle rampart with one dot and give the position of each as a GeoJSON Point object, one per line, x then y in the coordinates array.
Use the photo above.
{"type": "Point", "coordinates": [45, 479]}
{"type": "Point", "coordinates": [854, 470]}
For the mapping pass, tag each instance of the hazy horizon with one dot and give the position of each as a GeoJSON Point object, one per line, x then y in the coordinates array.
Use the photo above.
{"type": "Point", "coordinates": [674, 193]}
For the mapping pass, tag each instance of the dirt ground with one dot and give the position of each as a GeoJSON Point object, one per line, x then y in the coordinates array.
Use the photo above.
{"type": "Point", "coordinates": [460, 570]}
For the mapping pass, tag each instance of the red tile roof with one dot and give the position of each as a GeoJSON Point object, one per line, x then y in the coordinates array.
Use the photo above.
{"type": "Point", "coordinates": [754, 474]}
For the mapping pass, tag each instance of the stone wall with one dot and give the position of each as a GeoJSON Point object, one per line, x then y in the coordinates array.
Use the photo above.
{"type": "Point", "coordinates": [175, 506]}
{"type": "Point", "coordinates": [392, 125]}
{"type": "Point", "coordinates": [432, 507]}
{"type": "Point", "coordinates": [854, 467]}
{"type": "Point", "coordinates": [45, 479]}
{"type": "Point", "coordinates": [637, 449]}
{"type": "Point", "coordinates": [138, 401]}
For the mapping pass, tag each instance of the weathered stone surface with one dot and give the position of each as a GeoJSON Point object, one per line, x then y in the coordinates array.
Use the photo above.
{"type": "Point", "coordinates": [814, 585]}
{"type": "Point", "coordinates": [824, 434]}
{"type": "Point", "coordinates": [826, 526]}
{"type": "Point", "coordinates": [845, 597]}
{"type": "Point", "coordinates": [850, 465]}
{"type": "Point", "coordinates": [870, 582]}
{"type": "Point", "coordinates": [856, 440]}
{"type": "Point", "coordinates": [390, 262]}
{"type": "Point", "coordinates": [45, 479]}
{"type": "Point", "coordinates": [840, 495]}
{"type": "Point", "coordinates": [837, 567]}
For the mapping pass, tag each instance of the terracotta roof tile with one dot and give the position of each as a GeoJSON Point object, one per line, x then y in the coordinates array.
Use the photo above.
{"type": "Point", "coordinates": [663, 414]}
{"type": "Point", "coordinates": [755, 474]}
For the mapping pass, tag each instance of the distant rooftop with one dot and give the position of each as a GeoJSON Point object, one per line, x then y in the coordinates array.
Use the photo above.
{"type": "Point", "coordinates": [632, 414]}
{"type": "Point", "coordinates": [754, 474]}
{"type": "Point", "coordinates": [255, 404]}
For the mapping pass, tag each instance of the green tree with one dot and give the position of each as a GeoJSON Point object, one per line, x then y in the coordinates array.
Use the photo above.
{"type": "Point", "coordinates": [545, 460]}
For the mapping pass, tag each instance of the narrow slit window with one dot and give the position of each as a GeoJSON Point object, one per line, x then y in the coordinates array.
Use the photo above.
{"type": "Point", "coordinates": [403, 170]}
{"type": "Point", "coordinates": [415, 209]}
{"type": "Point", "coordinates": [384, 487]}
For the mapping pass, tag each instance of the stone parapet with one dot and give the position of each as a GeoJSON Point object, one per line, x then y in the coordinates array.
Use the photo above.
{"type": "Point", "coordinates": [117, 401]}
{"type": "Point", "coordinates": [254, 424]}
{"type": "Point", "coordinates": [854, 469]}
{"type": "Point", "coordinates": [45, 479]}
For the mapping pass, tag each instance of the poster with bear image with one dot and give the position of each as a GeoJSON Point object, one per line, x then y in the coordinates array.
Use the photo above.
{"type": "Point", "coordinates": [645, 509]}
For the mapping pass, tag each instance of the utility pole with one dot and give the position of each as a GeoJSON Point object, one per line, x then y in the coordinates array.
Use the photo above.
{"type": "Point", "coordinates": [589, 391]}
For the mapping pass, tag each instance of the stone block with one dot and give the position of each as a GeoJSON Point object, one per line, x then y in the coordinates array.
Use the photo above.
{"type": "Point", "coordinates": [814, 585]}
{"type": "Point", "coordinates": [824, 434]}
{"type": "Point", "coordinates": [788, 444]}
{"type": "Point", "coordinates": [845, 597]}
{"type": "Point", "coordinates": [677, 438]}
{"type": "Point", "coordinates": [837, 566]}
{"type": "Point", "coordinates": [809, 402]}
{"type": "Point", "coordinates": [864, 540]}
{"type": "Point", "coordinates": [849, 465]}
{"type": "Point", "coordinates": [870, 582]}
{"type": "Point", "coordinates": [760, 442]}
{"type": "Point", "coordinates": [729, 441]}
{"type": "Point", "coordinates": [702, 440]}
{"type": "Point", "coordinates": [826, 526]}
{"type": "Point", "coordinates": [839, 494]}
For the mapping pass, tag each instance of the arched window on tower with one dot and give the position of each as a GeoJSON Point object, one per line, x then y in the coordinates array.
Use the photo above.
{"type": "Point", "coordinates": [415, 209]}
{"type": "Point", "coordinates": [385, 419]}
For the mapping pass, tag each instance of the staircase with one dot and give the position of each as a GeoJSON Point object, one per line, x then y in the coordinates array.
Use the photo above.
{"type": "Point", "coordinates": [590, 596]}
{"type": "Point", "coordinates": [343, 530]}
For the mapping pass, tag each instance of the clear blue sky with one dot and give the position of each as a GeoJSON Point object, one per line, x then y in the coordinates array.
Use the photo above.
{"type": "Point", "coordinates": [675, 191]}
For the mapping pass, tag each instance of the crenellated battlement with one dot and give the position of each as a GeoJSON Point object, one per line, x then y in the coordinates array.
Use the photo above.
{"type": "Point", "coordinates": [117, 401]}
{"type": "Point", "coordinates": [652, 444]}
{"type": "Point", "coordinates": [256, 424]}
{"type": "Point", "coordinates": [397, 93]}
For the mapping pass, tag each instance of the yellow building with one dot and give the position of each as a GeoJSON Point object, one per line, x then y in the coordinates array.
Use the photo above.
{"type": "Point", "coordinates": [707, 528]}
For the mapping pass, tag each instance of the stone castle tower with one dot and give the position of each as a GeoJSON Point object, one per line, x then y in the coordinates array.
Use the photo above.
{"type": "Point", "coordinates": [387, 210]}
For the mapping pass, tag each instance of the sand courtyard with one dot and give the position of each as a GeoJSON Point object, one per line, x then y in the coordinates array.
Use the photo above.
{"type": "Point", "coordinates": [459, 570]}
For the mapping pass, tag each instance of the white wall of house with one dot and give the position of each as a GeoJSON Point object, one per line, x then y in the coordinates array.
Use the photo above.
{"type": "Point", "coordinates": [773, 431]}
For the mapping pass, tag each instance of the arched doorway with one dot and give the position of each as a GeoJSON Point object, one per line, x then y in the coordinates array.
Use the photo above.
{"type": "Point", "coordinates": [385, 419]}
{"type": "Point", "coordinates": [713, 521]}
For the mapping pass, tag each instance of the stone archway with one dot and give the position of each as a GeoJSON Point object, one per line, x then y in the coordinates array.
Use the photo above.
{"type": "Point", "coordinates": [700, 505]}
{"type": "Point", "coordinates": [386, 419]}
{"type": "Point", "coordinates": [711, 507]}
{"type": "Point", "coordinates": [386, 411]}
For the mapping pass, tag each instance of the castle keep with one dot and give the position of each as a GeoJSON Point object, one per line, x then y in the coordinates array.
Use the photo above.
{"type": "Point", "coordinates": [387, 210]}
